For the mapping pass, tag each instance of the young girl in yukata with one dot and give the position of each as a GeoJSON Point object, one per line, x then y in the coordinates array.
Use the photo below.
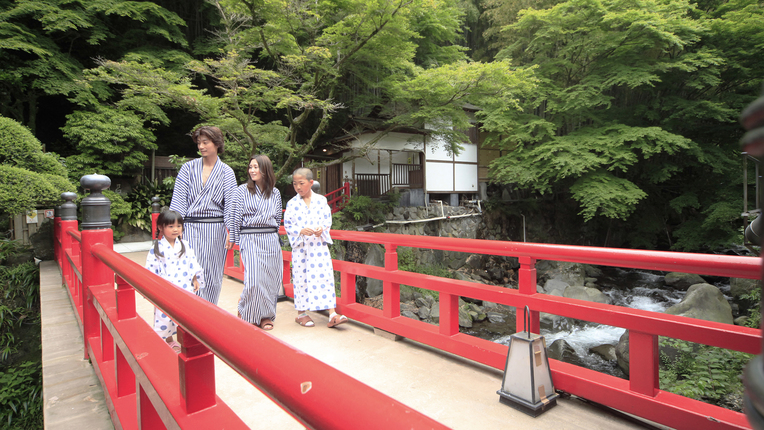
{"type": "Point", "coordinates": [173, 260]}
{"type": "Point", "coordinates": [307, 221]}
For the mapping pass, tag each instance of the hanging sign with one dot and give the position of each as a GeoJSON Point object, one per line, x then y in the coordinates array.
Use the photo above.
{"type": "Point", "coordinates": [32, 217]}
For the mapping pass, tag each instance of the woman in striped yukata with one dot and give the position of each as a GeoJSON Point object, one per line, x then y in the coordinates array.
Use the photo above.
{"type": "Point", "coordinates": [256, 219]}
{"type": "Point", "coordinates": [203, 194]}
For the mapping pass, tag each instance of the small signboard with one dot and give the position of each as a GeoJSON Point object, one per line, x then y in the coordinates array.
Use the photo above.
{"type": "Point", "coordinates": [49, 213]}
{"type": "Point", "coordinates": [32, 216]}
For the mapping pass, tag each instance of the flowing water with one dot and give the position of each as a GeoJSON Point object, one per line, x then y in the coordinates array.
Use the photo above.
{"type": "Point", "coordinates": [632, 288]}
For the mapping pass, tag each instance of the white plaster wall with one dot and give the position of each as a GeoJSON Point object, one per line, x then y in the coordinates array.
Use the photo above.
{"type": "Point", "coordinates": [440, 177]}
{"type": "Point", "coordinates": [466, 178]}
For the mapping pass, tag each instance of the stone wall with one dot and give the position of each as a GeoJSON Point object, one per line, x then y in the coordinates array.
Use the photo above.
{"type": "Point", "coordinates": [436, 220]}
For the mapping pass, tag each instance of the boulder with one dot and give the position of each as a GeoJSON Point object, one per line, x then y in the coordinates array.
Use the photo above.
{"type": "Point", "coordinates": [682, 281]}
{"type": "Point", "coordinates": [740, 286]}
{"type": "Point", "coordinates": [374, 257]}
{"type": "Point", "coordinates": [555, 287]}
{"type": "Point", "coordinates": [464, 318]}
{"type": "Point", "coordinates": [42, 241]}
{"type": "Point", "coordinates": [702, 301]}
{"type": "Point", "coordinates": [476, 261]}
{"type": "Point", "coordinates": [705, 302]}
{"type": "Point", "coordinates": [586, 293]}
{"type": "Point", "coordinates": [561, 350]}
{"type": "Point", "coordinates": [572, 273]}
{"type": "Point", "coordinates": [607, 352]}
{"type": "Point", "coordinates": [622, 352]}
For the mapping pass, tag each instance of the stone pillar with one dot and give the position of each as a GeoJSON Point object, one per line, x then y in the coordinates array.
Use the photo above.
{"type": "Point", "coordinates": [68, 210]}
{"type": "Point", "coordinates": [95, 207]}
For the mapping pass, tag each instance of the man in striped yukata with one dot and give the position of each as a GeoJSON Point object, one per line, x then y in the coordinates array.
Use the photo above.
{"type": "Point", "coordinates": [203, 195]}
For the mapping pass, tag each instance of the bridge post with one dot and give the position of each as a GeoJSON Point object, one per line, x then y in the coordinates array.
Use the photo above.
{"type": "Point", "coordinates": [57, 235]}
{"type": "Point", "coordinates": [196, 370]}
{"type": "Point", "coordinates": [155, 207]}
{"type": "Point", "coordinates": [391, 291]}
{"type": "Point", "coordinates": [752, 142]}
{"type": "Point", "coordinates": [527, 285]}
{"type": "Point", "coordinates": [68, 214]}
{"type": "Point", "coordinates": [644, 360]}
{"type": "Point", "coordinates": [96, 229]}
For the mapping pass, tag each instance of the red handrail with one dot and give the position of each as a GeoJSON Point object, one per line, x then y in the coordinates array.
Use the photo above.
{"type": "Point", "coordinates": [640, 395]}
{"type": "Point", "coordinates": [135, 366]}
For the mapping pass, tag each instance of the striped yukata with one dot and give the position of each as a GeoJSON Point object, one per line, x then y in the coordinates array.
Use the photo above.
{"type": "Point", "coordinates": [312, 271]}
{"type": "Point", "coordinates": [178, 270]}
{"type": "Point", "coordinates": [260, 252]}
{"type": "Point", "coordinates": [194, 200]}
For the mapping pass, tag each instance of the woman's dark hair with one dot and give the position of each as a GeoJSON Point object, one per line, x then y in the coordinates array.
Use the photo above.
{"type": "Point", "coordinates": [167, 217]}
{"type": "Point", "coordinates": [212, 133]}
{"type": "Point", "coordinates": [266, 169]}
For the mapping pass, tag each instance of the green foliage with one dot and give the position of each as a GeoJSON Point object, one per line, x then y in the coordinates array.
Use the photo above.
{"type": "Point", "coordinates": [108, 141]}
{"type": "Point", "coordinates": [140, 203]}
{"type": "Point", "coordinates": [635, 113]}
{"type": "Point", "coordinates": [702, 372]}
{"type": "Point", "coordinates": [407, 262]}
{"type": "Point", "coordinates": [29, 178]}
{"type": "Point", "coordinates": [21, 397]}
{"type": "Point", "coordinates": [754, 313]}
{"type": "Point", "coordinates": [317, 61]}
{"type": "Point", "coordinates": [362, 210]}
{"type": "Point", "coordinates": [20, 384]}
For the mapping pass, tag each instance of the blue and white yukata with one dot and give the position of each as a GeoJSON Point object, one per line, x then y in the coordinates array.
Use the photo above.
{"type": "Point", "coordinates": [178, 270]}
{"type": "Point", "coordinates": [207, 212]}
{"type": "Point", "coordinates": [312, 271]}
{"type": "Point", "coordinates": [260, 252]}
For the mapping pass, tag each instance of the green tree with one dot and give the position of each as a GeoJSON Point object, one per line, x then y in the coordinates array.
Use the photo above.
{"type": "Point", "coordinates": [45, 44]}
{"type": "Point", "coordinates": [629, 93]}
{"type": "Point", "coordinates": [29, 178]}
{"type": "Point", "coordinates": [290, 73]}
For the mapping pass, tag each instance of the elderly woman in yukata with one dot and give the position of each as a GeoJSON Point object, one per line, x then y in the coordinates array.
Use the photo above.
{"type": "Point", "coordinates": [307, 221]}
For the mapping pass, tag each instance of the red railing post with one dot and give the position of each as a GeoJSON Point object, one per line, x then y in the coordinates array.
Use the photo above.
{"type": "Point", "coordinates": [527, 285]}
{"type": "Point", "coordinates": [392, 291]}
{"type": "Point", "coordinates": [449, 314]}
{"type": "Point", "coordinates": [125, 295]}
{"type": "Point", "coordinates": [196, 369]}
{"type": "Point", "coordinates": [125, 376]}
{"type": "Point", "coordinates": [155, 207]}
{"type": "Point", "coordinates": [644, 358]}
{"type": "Point", "coordinates": [96, 225]}
{"type": "Point", "coordinates": [347, 289]}
{"type": "Point", "coordinates": [107, 343]}
{"type": "Point", "coordinates": [148, 418]}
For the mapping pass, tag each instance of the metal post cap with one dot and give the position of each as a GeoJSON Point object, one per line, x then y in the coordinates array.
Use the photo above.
{"type": "Point", "coordinates": [96, 206]}
{"type": "Point", "coordinates": [155, 206]}
{"type": "Point", "coordinates": [68, 209]}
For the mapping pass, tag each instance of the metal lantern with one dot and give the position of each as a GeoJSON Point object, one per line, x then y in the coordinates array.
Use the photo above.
{"type": "Point", "coordinates": [527, 384]}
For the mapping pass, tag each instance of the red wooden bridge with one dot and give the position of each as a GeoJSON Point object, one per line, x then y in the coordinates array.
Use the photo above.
{"type": "Point", "coordinates": [146, 385]}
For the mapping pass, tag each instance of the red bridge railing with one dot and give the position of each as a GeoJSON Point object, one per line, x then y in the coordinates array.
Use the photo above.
{"type": "Point", "coordinates": [147, 385]}
{"type": "Point", "coordinates": [639, 395]}
{"type": "Point", "coordinates": [122, 343]}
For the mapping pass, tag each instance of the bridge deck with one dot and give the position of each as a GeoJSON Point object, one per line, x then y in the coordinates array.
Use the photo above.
{"type": "Point", "coordinates": [454, 391]}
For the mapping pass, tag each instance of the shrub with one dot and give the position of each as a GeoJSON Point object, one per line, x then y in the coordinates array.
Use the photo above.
{"type": "Point", "coordinates": [703, 372]}
{"type": "Point", "coordinates": [29, 178]}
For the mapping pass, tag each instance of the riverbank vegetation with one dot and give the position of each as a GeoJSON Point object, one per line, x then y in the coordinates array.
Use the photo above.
{"type": "Point", "coordinates": [20, 343]}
